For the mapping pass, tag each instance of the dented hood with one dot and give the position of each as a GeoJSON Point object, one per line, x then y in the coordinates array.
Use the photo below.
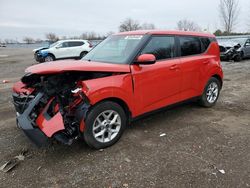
{"type": "Point", "coordinates": [75, 65]}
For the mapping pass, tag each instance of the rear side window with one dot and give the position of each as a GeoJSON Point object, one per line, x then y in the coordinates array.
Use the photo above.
{"type": "Point", "coordinates": [160, 46]}
{"type": "Point", "coordinates": [205, 43]}
{"type": "Point", "coordinates": [75, 44]}
{"type": "Point", "coordinates": [190, 46]}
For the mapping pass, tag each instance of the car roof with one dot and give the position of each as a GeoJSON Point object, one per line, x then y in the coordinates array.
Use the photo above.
{"type": "Point", "coordinates": [166, 32]}
{"type": "Point", "coordinates": [72, 40]}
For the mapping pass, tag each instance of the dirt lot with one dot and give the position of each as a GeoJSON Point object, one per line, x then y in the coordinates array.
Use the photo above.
{"type": "Point", "coordinates": [198, 143]}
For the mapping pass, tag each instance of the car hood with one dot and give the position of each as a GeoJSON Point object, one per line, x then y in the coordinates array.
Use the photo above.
{"type": "Point", "coordinates": [76, 65]}
{"type": "Point", "coordinates": [229, 44]}
{"type": "Point", "coordinates": [42, 48]}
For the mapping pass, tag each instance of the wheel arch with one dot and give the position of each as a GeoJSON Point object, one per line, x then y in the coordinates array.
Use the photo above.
{"type": "Point", "coordinates": [82, 52]}
{"type": "Point", "coordinates": [119, 101]}
{"type": "Point", "coordinates": [218, 77]}
{"type": "Point", "coordinates": [51, 54]}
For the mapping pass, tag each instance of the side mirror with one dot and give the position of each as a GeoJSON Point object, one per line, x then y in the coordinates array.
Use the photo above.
{"type": "Point", "coordinates": [146, 59]}
{"type": "Point", "coordinates": [57, 47]}
{"type": "Point", "coordinates": [247, 44]}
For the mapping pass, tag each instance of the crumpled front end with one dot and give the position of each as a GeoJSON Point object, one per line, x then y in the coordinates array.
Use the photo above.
{"type": "Point", "coordinates": [25, 119]}
{"type": "Point", "coordinates": [51, 107]}
{"type": "Point", "coordinates": [229, 52]}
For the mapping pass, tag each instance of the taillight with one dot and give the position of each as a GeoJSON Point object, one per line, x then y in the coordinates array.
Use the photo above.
{"type": "Point", "coordinates": [90, 45]}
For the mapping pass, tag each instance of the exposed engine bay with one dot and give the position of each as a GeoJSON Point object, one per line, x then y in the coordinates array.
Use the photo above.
{"type": "Point", "coordinates": [230, 51]}
{"type": "Point", "coordinates": [53, 103]}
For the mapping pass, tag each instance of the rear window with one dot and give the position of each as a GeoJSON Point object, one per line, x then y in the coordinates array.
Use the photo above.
{"type": "Point", "coordinates": [205, 43]}
{"type": "Point", "coordinates": [190, 46]}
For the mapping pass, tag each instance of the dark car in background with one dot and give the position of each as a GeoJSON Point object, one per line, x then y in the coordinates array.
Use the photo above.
{"type": "Point", "coordinates": [236, 48]}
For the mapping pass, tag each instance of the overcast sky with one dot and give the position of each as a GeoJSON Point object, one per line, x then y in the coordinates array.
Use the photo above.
{"type": "Point", "coordinates": [20, 18]}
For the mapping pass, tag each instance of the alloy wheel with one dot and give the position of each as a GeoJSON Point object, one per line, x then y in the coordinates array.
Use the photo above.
{"type": "Point", "coordinates": [212, 92]}
{"type": "Point", "coordinates": [106, 126]}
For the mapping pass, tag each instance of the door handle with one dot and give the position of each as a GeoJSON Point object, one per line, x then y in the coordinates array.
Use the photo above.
{"type": "Point", "coordinates": [173, 67]}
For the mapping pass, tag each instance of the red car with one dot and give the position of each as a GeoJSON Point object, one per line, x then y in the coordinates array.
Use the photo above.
{"type": "Point", "coordinates": [126, 76]}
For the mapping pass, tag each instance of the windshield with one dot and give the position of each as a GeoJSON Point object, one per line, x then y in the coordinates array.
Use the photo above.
{"type": "Point", "coordinates": [115, 49]}
{"type": "Point", "coordinates": [53, 45]}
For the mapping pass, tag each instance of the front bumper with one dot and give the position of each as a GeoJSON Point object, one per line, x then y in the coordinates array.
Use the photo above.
{"type": "Point", "coordinates": [226, 56]}
{"type": "Point", "coordinates": [29, 127]}
{"type": "Point", "coordinates": [38, 57]}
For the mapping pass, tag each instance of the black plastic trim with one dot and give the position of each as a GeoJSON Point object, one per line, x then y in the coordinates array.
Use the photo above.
{"type": "Point", "coordinates": [24, 122]}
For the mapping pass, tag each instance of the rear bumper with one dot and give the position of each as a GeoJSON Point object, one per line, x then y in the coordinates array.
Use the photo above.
{"type": "Point", "coordinates": [29, 127]}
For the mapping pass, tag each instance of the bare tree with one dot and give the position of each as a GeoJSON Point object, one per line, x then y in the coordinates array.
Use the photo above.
{"type": "Point", "coordinates": [6, 41]}
{"type": "Point", "coordinates": [187, 25]}
{"type": "Point", "coordinates": [229, 12]}
{"type": "Point", "coordinates": [51, 37]}
{"type": "Point", "coordinates": [63, 37]}
{"type": "Point", "coordinates": [91, 36]}
{"type": "Point", "coordinates": [129, 25]}
{"type": "Point", "coordinates": [38, 40]}
{"type": "Point", "coordinates": [147, 26]}
{"type": "Point", "coordinates": [28, 40]}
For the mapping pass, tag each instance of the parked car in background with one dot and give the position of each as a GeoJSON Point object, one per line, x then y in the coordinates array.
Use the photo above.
{"type": "Point", "coordinates": [2, 45]}
{"type": "Point", "coordinates": [234, 48]}
{"type": "Point", "coordinates": [124, 77]}
{"type": "Point", "coordinates": [63, 49]}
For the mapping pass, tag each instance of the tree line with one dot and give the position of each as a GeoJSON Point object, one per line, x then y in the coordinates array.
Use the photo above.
{"type": "Point", "coordinates": [229, 12]}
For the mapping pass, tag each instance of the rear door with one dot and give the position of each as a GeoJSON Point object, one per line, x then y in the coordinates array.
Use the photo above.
{"type": "Point", "coordinates": [157, 85]}
{"type": "Point", "coordinates": [193, 64]}
{"type": "Point", "coordinates": [75, 48]}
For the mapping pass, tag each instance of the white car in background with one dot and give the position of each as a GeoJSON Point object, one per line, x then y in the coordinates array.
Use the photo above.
{"type": "Point", "coordinates": [63, 49]}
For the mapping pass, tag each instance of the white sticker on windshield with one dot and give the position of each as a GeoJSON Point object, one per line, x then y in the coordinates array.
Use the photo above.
{"type": "Point", "coordinates": [133, 37]}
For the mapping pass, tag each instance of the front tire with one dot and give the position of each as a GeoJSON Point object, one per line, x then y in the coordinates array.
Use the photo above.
{"type": "Point", "coordinates": [238, 58]}
{"type": "Point", "coordinates": [49, 58]}
{"type": "Point", "coordinates": [211, 93]}
{"type": "Point", "coordinates": [105, 124]}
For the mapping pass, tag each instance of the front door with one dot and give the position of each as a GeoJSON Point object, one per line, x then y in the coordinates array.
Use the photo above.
{"type": "Point", "coordinates": [62, 50]}
{"type": "Point", "coordinates": [157, 85]}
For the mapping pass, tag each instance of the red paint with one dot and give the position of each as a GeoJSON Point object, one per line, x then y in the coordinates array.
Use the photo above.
{"type": "Point", "coordinates": [20, 87]}
{"type": "Point", "coordinates": [51, 125]}
{"type": "Point", "coordinates": [141, 87]}
{"type": "Point", "coordinates": [82, 126]}
{"type": "Point", "coordinates": [158, 32]}
{"type": "Point", "coordinates": [74, 65]}
{"type": "Point", "coordinates": [146, 59]}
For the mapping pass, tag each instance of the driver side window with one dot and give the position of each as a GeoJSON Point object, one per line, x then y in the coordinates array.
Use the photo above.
{"type": "Point", "coordinates": [162, 47]}
{"type": "Point", "coordinates": [63, 45]}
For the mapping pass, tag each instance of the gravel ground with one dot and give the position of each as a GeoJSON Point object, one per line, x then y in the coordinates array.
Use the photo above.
{"type": "Point", "coordinates": [202, 147]}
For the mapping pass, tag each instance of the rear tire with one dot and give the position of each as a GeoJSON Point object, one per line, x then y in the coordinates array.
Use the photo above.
{"type": "Point", "coordinates": [211, 93]}
{"type": "Point", "coordinates": [105, 124]}
{"type": "Point", "coordinates": [82, 54]}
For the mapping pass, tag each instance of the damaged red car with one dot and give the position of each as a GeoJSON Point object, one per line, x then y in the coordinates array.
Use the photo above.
{"type": "Point", "coordinates": [126, 76]}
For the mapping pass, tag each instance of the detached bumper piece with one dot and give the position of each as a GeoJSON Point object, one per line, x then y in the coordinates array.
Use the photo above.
{"type": "Point", "coordinates": [29, 127]}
